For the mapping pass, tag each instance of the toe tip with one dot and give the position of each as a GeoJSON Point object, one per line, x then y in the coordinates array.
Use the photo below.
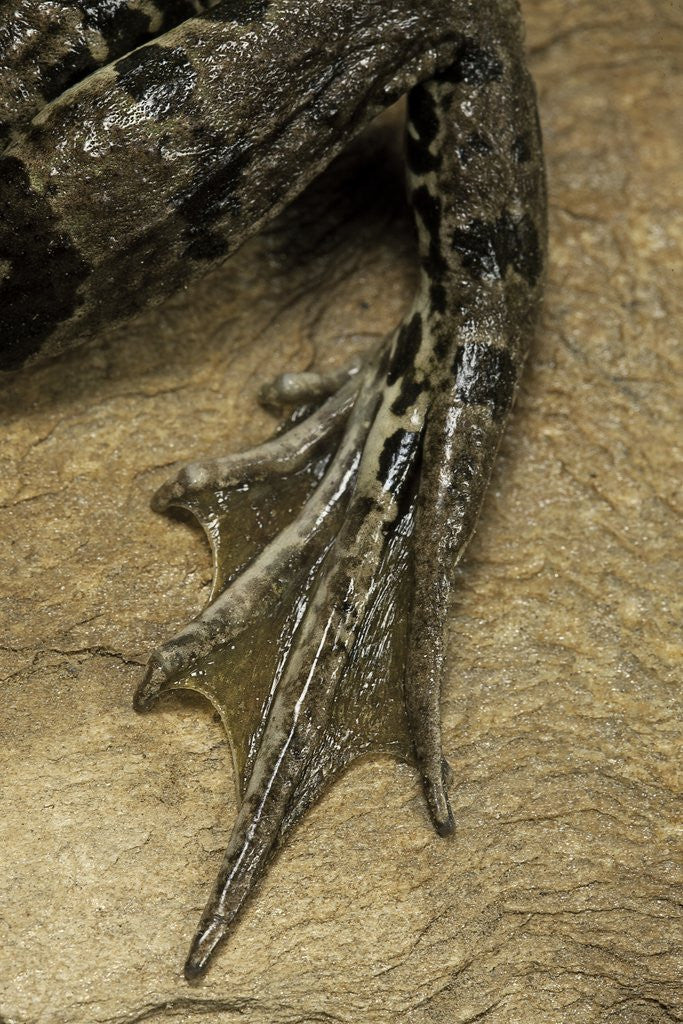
{"type": "Point", "coordinates": [193, 970]}
{"type": "Point", "coordinates": [161, 499]}
{"type": "Point", "coordinates": [441, 813]}
{"type": "Point", "coordinates": [149, 688]}
{"type": "Point", "coordinates": [444, 827]}
{"type": "Point", "coordinates": [208, 936]}
{"type": "Point", "coordinates": [439, 805]}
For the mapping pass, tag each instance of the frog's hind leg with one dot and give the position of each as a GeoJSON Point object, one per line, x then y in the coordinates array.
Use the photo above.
{"type": "Point", "coordinates": [343, 563]}
{"type": "Point", "coordinates": [477, 183]}
{"type": "Point", "coordinates": [340, 607]}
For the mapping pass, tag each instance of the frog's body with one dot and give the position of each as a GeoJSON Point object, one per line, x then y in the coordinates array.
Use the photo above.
{"type": "Point", "coordinates": [159, 164]}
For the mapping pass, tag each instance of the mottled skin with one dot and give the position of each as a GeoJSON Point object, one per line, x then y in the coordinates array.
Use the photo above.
{"type": "Point", "coordinates": [47, 47]}
{"type": "Point", "coordinates": [190, 143]}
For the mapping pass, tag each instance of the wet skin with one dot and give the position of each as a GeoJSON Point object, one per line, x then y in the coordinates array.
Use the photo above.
{"type": "Point", "coordinates": [334, 543]}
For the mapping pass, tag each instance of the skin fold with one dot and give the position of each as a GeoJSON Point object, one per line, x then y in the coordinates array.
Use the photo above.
{"type": "Point", "coordinates": [334, 543]}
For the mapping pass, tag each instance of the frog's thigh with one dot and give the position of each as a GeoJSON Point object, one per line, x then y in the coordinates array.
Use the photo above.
{"type": "Point", "coordinates": [193, 141]}
{"type": "Point", "coordinates": [46, 50]}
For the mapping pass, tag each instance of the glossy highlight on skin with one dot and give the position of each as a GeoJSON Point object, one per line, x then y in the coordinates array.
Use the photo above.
{"type": "Point", "coordinates": [334, 542]}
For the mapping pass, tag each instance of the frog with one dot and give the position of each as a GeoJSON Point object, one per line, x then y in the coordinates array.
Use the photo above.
{"type": "Point", "coordinates": [143, 141]}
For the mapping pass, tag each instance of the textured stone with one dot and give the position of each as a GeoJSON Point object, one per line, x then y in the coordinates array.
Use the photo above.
{"type": "Point", "coordinates": [559, 898]}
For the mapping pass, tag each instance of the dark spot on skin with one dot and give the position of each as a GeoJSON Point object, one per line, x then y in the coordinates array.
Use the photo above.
{"type": "Point", "coordinates": [437, 298]}
{"type": "Point", "coordinates": [160, 77]}
{"type": "Point", "coordinates": [446, 102]}
{"type": "Point", "coordinates": [485, 375]}
{"type": "Point", "coordinates": [422, 113]}
{"type": "Point", "coordinates": [391, 95]}
{"type": "Point", "coordinates": [475, 145]}
{"type": "Point", "coordinates": [411, 389]}
{"type": "Point", "coordinates": [479, 67]}
{"type": "Point", "coordinates": [487, 249]}
{"type": "Point", "coordinates": [521, 149]}
{"type": "Point", "coordinates": [69, 69]}
{"type": "Point", "coordinates": [418, 157]}
{"type": "Point", "coordinates": [402, 366]}
{"type": "Point", "coordinates": [407, 346]}
{"type": "Point", "coordinates": [176, 11]}
{"type": "Point", "coordinates": [433, 263]}
{"type": "Point", "coordinates": [122, 26]}
{"type": "Point", "coordinates": [126, 280]}
{"type": "Point", "coordinates": [473, 66]}
{"type": "Point", "coordinates": [396, 459]}
{"type": "Point", "coordinates": [480, 249]}
{"type": "Point", "coordinates": [442, 345]}
{"type": "Point", "coordinates": [429, 209]}
{"type": "Point", "coordinates": [212, 196]}
{"type": "Point", "coordinates": [242, 12]}
{"type": "Point", "coordinates": [362, 508]}
{"type": "Point", "coordinates": [39, 290]}
{"type": "Point", "coordinates": [528, 260]}
{"type": "Point", "coordinates": [208, 245]}
{"type": "Point", "coordinates": [400, 465]}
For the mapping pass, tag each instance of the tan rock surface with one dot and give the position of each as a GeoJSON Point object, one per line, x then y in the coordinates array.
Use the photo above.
{"type": "Point", "coordinates": [559, 899]}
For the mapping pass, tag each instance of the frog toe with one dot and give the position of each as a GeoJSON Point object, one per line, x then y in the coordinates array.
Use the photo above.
{"type": "Point", "coordinates": [269, 514]}
{"type": "Point", "coordinates": [296, 450]}
{"type": "Point", "coordinates": [306, 388]}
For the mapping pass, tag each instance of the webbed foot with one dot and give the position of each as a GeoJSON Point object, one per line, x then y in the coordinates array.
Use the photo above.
{"type": "Point", "coordinates": [323, 636]}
